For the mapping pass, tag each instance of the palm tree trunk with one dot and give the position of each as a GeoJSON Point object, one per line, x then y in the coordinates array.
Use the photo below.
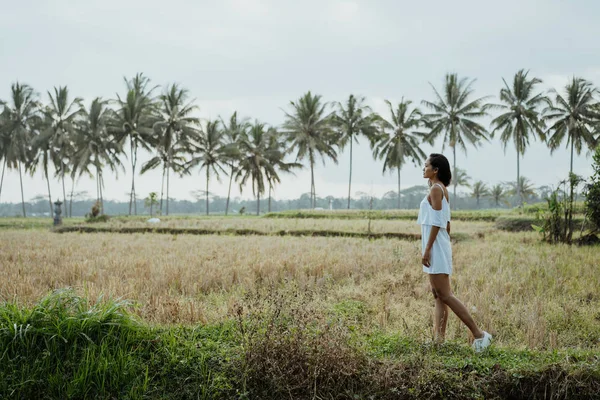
{"type": "Point", "coordinates": [455, 178]}
{"type": "Point", "coordinates": [312, 180]}
{"type": "Point", "coordinates": [258, 204]}
{"type": "Point", "coordinates": [571, 170]}
{"type": "Point", "coordinates": [22, 194]}
{"type": "Point", "coordinates": [48, 183]}
{"type": "Point", "coordinates": [398, 187]}
{"type": "Point", "coordinates": [133, 182]}
{"type": "Point", "coordinates": [350, 178]}
{"type": "Point", "coordinates": [97, 184]}
{"type": "Point", "coordinates": [270, 197]}
{"type": "Point", "coordinates": [229, 191]}
{"type": "Point", "coordinates": [2, 179]}
{"type": "Point", "coordinates": [64, 191]}
{"type": "Point", "coordinates": [101, 196]}
{"type": "Point", "coordinates": [132, 193]}
{"type": "Point", "coordinates": [312, 187]}
{"type": "Point", "coordinates": [207, 177]}
{"type": "Point", "coordinates": [519, 180]}
{"type": "Point", "coordinates": [162, 188]}
{"type": "Point", "coordinates": [168, 173]}
{"type": "Point", "coordinates": [71, 198]}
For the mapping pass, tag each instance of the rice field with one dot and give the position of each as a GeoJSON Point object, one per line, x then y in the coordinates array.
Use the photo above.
{"type": "Point", "coordinates": [528, 294]}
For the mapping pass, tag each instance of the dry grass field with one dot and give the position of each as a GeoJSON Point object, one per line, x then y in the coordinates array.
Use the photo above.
{"type": "Point", "coordinates": [305, 224]}
{"type": "Point", "coordinates": [527, 293]}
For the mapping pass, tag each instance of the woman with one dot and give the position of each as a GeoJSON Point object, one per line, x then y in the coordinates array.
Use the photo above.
{"type": "Point", "coordinates": [434, 217]}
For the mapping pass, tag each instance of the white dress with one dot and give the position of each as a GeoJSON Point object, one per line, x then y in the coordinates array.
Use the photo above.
{"type": "Point", "coordinates": [441, 252]}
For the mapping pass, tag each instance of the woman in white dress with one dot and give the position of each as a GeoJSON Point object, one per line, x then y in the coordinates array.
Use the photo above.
{"type": "Point", "coordinates": [434, 218]}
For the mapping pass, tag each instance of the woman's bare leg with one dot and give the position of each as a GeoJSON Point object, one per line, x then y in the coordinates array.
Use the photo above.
{"type": "Point", "coordinates": [441, 284]}
{"type": "Point", "coordinates": [440, 319]}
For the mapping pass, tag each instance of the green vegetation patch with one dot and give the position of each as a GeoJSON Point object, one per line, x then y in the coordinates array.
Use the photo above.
{"type": "Point", "coordinates": [239, 232]}
{"type": "Point", "coordinates": [484, 215]}
{"type": "Point", "coordinates": [525, 223]}
{"type": "Point", "coordinates": [274, 346]}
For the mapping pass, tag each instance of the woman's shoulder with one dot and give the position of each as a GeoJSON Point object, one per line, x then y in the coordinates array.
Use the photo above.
{"type": "Point", "coordinates": [437, 190]}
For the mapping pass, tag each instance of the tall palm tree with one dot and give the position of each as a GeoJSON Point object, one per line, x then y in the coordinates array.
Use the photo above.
{"type": "Point", "coordinates": [521, 117]}
{"type": "Point", "coordinates": [56, 133]}
{"type": "Point", "coordinates": [96, 148]}
{"type": "Point", "coordinates": [398, 142]}
{"type": "Point", "coordinates": [255, 160]}
{"type": "Point", "coordinates": [134, 120]}
{"type": "Point", "coordinates": [453, 114]}
{"type": "Point", "coordinates": [20, 119]}
{"type": "Point", "coordinates": [480, 190]}
{"type": "Point", "coordinates": [173, 130]}
{"type": "Point", "coordinates": [350, 122]}
{"type": "Point", "coordinates": [233, 131]}
{"type": "Point", "coordinates": [573, 117]}
{"type": "Point", "coordinates": [310, 134]}
{"type": "Point", "coordinates": [209, 151]}
{"type": "Point", "coordinates": [498, 193]}
{"type": "Point", "coordinates": [275, 154]}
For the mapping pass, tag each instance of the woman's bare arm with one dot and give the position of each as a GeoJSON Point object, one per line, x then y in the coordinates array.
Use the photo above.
{"type": "Point", "coordinates": [435, 196]}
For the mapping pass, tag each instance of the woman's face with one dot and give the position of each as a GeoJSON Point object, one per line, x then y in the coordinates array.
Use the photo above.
{"type": "Point", "coordinates": [428, 172]}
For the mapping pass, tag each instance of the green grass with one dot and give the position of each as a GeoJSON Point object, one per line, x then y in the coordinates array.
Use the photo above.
{"type": "Point", "coordinates": [35, 223]}
{"type": "Point", "coordinates": [273, 346]}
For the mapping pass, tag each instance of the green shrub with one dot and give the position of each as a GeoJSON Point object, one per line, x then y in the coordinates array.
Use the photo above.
{"type": "Point", "coordinates": [99, 218]}
{"type": "Point", "coordinates": [557, 223]}
{"type": "Point", "coordinates": [278, 344]}
{"type": "Point", "coordinates": [592, 194]}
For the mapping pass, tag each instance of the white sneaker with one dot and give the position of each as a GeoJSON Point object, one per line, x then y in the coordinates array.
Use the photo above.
{"type": "Point", "coordinates": [483, 343]}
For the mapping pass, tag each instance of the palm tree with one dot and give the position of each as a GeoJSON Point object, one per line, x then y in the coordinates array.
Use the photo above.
{"type": "Point", "coordinates": [350, 122]}
{"type": "Point", "coordinates": [453, 115]}
{"type": "Point", "coordinates": [209, 151]}
{"type": "Point", "coordinates": [460, 177]}
{"type": "Point", "coordinates": [19, 121]}
{"type": "Point", "coordinates": [310, 134]}
{"type": "Point", "coordinates": [521, 117]}
{"type": "Point", "coordinates": [95, 146]}
{"type": "Point", "coordinates": [398, 142]}
{"type": "Point", "coordinates": [233, 131]}
{"type": "Point", "coordinates": [544, 191]}
{"type": "Point", "coordinates": [480, 190]}
{"type": "Point", "coordinates": [573, 117]}
{"type": "Point", "coordinates": [498, 193]}
{"type": "Point", "coordinates": [275, 154]}
{"type": "Point", "coordinates": [255, 164]}
{"type": "Point", "coordinates": [42, 155]}
{"type": "Point", "coordinates": [173, 130]}
{"type": "Point", "coordinates": [524, 185]}
{"type": "Point", "coordinates": [134, 121]}
{"type": "Point", "coordinates": [56, 136]}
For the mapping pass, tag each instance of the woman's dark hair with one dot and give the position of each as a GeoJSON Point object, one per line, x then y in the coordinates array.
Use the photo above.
{"type": "Point", "coordinates": [440, 162]}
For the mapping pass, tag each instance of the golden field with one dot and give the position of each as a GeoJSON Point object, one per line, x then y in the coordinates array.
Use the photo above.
{"type": "Point", "coordinates": [525, 292]}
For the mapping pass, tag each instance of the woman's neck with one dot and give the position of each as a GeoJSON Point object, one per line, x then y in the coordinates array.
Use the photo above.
{"type": "Point", "coordinates": [434, 181]}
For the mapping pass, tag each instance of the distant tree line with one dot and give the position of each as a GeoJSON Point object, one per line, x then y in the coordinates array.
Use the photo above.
{"type": "Point", "coordinates": [473, 197]}
{"type": "Point", "coordinates": [64, 139]}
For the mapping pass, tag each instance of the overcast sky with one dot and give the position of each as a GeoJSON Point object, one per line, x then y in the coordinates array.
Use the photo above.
{"type": "Point", "coordinates": [254, 56]}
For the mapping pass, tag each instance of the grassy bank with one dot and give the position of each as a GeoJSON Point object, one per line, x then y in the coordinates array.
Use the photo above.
{"type": "Point", "coordinates": [467, 215]}
{"type": "Point", "coordinates": [272, 346]}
